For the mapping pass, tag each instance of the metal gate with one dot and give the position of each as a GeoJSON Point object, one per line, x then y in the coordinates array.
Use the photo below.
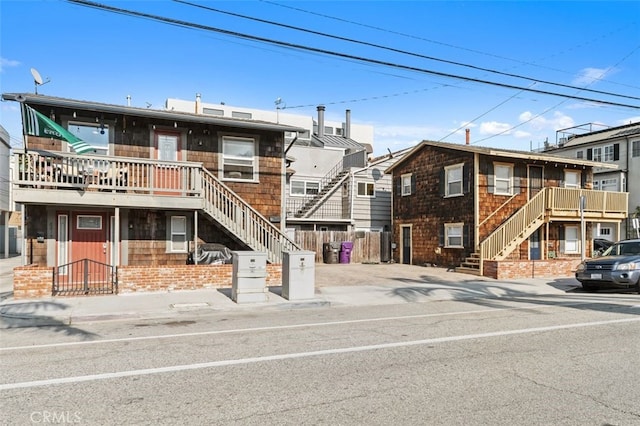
{"type": "Point", "coordinates": [85, 276]}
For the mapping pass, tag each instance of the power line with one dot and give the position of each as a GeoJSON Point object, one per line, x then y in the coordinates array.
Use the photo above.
{"type": "Point", "coordinates": [430, 40]}
{"type": "Point", "coordinates": [192, 25]}
{"type": "Point", "coordinates": [404, 52]}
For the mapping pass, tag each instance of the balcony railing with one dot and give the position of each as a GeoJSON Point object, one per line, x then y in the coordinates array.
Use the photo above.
{"type": "Point", "coordinates": [38, 169]}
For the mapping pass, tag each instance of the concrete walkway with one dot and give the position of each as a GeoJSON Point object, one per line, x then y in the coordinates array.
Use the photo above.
{"type": "Point", "coordinates": [336, 285]}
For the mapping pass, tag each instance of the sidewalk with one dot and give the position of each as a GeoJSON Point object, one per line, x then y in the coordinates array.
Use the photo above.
{"type": "Point", "coordinates": [336, 285]}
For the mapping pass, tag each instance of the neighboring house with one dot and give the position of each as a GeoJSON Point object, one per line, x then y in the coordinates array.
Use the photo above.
{"type": "Point", "coordinates": [360, 132]}
{"type": "Point", "coordinates": [149, 185]}
{"type": "Point", "coordinates": [6, 239]}
{"type": "Point", "coordinates": [615, 145]}
{"type": "Point", "coordinates": [479, 208]}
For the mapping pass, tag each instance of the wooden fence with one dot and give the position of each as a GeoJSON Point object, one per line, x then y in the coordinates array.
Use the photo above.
{"type": "Point", "coordinates": [368, 247]}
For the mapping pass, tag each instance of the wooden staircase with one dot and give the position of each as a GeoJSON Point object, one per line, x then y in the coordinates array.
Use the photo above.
{"type": "Point", "coordinates": [509, 235]}
{"type": "Point", "coordinates": [241, 220]}
{"type": "Point", "coordinates": [471, 265]}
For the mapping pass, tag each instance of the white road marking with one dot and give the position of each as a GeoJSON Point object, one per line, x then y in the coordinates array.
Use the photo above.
{"type": "Point", "coordinates": [224, 363]}
{"type": "Point", "coordinates": [285, 327]}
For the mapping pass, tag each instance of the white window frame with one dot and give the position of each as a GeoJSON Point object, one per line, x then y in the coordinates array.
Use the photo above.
{"type": "Point", "coordinates": [405, 183]}
{"type": "Point", "coordinates": [579, 154]}
{"type": "Point", "coordinates": [610, 184]}
{"type": "Point", "coordinates": [635, 148]}
{"type": "Point", "coordinates": [98, 137]}
{"type": "Point", "coordinates": [174, 221]}
{"type": "Point", "coordinates": [577, 174]}
{"type": "Point", "coordinates": [83, 220]}
{"type": "Point", "coordinates": [449, 181]}
{"type": "Point", "coordinates": [608, 153]}
{"type": "Point", "coordinates": [366, 193]}
{"type": "Point", "coordinates": [227, 159]}
{"type": "Point", "coordinates": [449, 233]}
{"type": "Point", "coordinates": [572, 246]}
{"type": "Point", "coordinates": [508, 180]}
{"type": "Point", "coordinates": [605, 231]}
{"type": "Point", "coordinates": [309, 187]}
{"type": "Point", "coordinates": [596, 154]}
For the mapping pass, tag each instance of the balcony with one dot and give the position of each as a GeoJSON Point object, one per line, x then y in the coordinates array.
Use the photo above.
{"type": "Point", "coordinates": [58, 178]}
{"type": "Point", "coordinates": [564, 204]}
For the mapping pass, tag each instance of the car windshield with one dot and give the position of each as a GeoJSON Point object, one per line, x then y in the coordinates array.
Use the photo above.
{"type": "Point", "coordinates": [624, 248]}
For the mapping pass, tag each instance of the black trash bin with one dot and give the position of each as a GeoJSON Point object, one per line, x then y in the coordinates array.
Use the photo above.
{"type": "Point", "coordinates": [331, 252]}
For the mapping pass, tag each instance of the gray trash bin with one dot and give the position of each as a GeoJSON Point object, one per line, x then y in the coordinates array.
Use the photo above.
{"type": "Point", "coordinates": [249, 279]}
{"type": "Point", "coordinates": [298, 275]}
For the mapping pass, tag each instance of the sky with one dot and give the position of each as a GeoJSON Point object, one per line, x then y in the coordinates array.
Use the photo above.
{"type": "Point", "coordinates": [513, 72]}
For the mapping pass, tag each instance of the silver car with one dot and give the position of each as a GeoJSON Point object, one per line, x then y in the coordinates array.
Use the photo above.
{"type": "Point", "coordinates": [618, 267]}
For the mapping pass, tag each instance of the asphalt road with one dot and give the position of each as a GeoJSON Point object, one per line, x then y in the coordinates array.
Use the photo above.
{"type": "Point", "coordinates": [569, 360]}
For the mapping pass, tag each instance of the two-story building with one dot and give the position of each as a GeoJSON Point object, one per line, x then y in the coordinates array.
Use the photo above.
{"type": "Point", "coordinates": [615, 145]}
{"type": "Point", "coordinates": [496, 212]}
{"type": "Point", "coordinates": [106, 186]}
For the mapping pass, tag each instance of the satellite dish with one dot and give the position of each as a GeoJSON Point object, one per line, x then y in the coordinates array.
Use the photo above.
{"type": "Point", "coordinates": [36, 76]}
{"type": "Point", "coordinates": [37, 79]}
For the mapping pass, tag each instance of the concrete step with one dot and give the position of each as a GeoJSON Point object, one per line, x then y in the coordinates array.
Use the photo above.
{"type": "Point", "coordinates": [466, 270]}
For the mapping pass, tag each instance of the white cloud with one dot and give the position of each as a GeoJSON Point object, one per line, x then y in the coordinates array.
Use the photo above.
{"type": "Point", "coordinates": [558, 121]}
{"type": "Point", "coordinates": [521, 134]}
{"type": "Point", "coordinates": [7, 63]}
{"type": "Point", "coordinates": [588, 76]}
{"type": "Point", "coordinates": [494, 128]}
{"type": "Point", "coordinates": [629, 120]}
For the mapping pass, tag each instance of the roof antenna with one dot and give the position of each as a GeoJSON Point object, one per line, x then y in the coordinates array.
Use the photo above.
{"type": "Point", "coordinates": [37, 79]}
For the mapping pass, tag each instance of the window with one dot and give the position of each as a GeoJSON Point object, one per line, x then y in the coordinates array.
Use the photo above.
{"type": "Point", "coordinates": [406, 184]}
{"type": "Point", "coordinates": [571, 240]}
{"type": "Point", "coordinates": [238, 158]}
{"type": "Point", "coordinates": [178, 241]}
{"type": "Point", "coordinates": [608, 153]}
{"type": "Point", "coordinates": [609, 185]}
{"type": "Point", "coordinates": [503, 179]}
{"type": "Point", "coordinates": [453, 235]}
{"type": "Point", "coordinates": [302, 187]}
{"type": "Point", "coordinates": [635, 149]}
{"type": "Point", "coordinates": [89, 222]}
{"type": "Point", "coordinates": [96, 135]}
{"type": "Point", "coordinates": [366, 189]}
{"type": "Point", "coordinates": [238, 114]}
{"type": "Point", "coordinates": [596, 185]}
{"type": "Point", "coordinates": [213, 111]}
{"type": "Point", "coordinates": [605, 232]}
{"type": "Point", "coordinates": [571, 179]}
{"type": "Point", "coordinates": [580, 154]}
{"type": "Point", "coordinates": [453, 177]}
{"type": "Point", "coordinates": [597, 154]}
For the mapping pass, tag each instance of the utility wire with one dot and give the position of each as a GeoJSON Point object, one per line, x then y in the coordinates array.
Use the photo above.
{"type": "Point", "coordinates": [395, 50]}
{"type": "Point", "coordinates": [386, 30]}
{"type": "Point", "coordinates": [192, 25]}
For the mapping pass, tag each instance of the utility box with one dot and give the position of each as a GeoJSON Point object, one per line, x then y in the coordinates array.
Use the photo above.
{"type": "Point", "coordinates": [298, 275]}
{"type": "Point", "coordinates": [249, 279]}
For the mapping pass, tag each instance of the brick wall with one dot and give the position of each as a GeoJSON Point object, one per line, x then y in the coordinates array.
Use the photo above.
{"type": "Point", "coordinates": [514, 269]}
{"type": "Point", "coordinates": [32, 281]}
{"type": "Point", "coordinates": [138, 279]}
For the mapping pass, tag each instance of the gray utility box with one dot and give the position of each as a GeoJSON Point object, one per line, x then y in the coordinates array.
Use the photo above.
{"type": "Point", "coordinates": [298, 275]}
{"type": "Point", "coordinates": [249, 277]}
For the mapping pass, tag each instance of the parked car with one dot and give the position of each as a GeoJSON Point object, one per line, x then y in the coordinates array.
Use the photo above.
{"type": "Point", "coordinates": [600, 245]}
{"type": "Point", "coordinates": [618, 267]}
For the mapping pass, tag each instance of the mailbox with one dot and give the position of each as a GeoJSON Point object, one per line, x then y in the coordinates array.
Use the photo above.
{"type": "Point", "coordinates": [298, 275]}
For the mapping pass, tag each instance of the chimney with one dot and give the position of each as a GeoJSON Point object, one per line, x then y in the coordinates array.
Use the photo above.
{"type": "Point", "coordinates": [197, 103]}
{"type": "Point", "coordinates": [320, 121]}
{"type": "Point", "coordinates": [347, 124]}
{"type": "Point", "coordinates": [467, 131]}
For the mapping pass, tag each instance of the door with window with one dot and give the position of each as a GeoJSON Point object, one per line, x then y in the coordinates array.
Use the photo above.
{"type": "Point", "coordinates": [536, 182]}
{"type": "Point", "coordinates": [406, 245]}
{"type": "Point", "coordinates": [167, 176]}
{"type": "Point", "coordinates": [89, 237]}
{"type": "Point", "coordinates": [534, 246]}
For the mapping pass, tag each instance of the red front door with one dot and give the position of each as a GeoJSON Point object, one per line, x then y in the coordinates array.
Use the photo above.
{"type": "Point", "coordinates": [89, 237]}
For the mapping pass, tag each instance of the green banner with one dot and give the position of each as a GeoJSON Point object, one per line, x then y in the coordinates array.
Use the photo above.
{"type": "Point", "coordinates": [37, 124]}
